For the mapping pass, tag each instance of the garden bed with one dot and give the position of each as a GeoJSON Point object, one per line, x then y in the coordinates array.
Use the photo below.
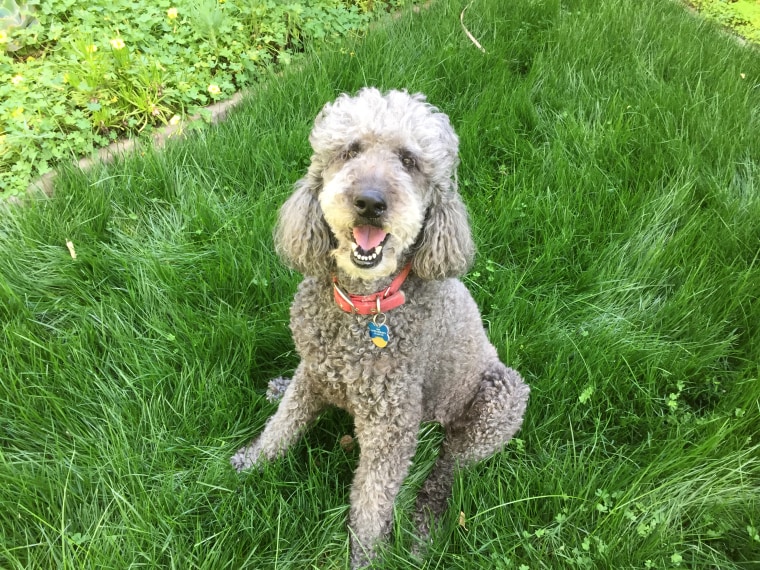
{"type": "Point", "coordinates": [76, 76]}
{"type": "Point", "coordinates": [741, 16]}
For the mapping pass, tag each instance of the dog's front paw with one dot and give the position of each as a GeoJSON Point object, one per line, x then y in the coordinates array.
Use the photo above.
{"type": "Point", "coordinates": [359, 560]}
{"type": "Point", "coordinates": [245, 458]}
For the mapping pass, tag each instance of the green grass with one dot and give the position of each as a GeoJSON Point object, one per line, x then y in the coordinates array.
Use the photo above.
{"type": "Point", "coordinates": [609, 161]}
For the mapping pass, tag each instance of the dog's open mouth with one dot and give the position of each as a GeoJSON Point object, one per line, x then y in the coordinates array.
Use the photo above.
{"type": "Point", "coordinates": [368, 246]}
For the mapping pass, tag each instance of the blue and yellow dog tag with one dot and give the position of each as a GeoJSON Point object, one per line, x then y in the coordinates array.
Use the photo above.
{"type": "Point", "coordinates": [378, 332]}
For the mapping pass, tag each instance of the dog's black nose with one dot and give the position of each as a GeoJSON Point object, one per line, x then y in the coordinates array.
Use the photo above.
{"type": "Point", "coordinates": [370, 204]}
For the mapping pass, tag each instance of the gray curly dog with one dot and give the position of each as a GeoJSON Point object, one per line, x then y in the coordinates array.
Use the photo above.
{"type": "Point", "coordinates": [383, 328]}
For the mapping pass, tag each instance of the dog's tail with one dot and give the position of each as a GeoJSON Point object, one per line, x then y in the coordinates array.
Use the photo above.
{"type": "Point", "coordinates": [276, 388]}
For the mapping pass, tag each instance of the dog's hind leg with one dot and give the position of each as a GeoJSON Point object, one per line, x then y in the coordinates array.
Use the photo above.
{"type": "Point", "coordinates": [488, 423]}
{"type": "Point", "coordinates": [297, 409]}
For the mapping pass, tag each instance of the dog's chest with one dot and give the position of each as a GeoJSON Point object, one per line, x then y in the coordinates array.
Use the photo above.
{"type": "Point", "coordinates": [344, 365]}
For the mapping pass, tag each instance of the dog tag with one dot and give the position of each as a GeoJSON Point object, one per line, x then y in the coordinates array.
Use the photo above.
{"type": "Point", "coordinates": [378, 332]}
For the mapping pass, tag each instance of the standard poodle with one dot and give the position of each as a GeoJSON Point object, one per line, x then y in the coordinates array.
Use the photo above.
{"type": "Point", "coordinates": [383, 327]}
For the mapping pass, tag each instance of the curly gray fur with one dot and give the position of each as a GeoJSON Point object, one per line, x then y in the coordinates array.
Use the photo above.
{"type": "Point", "coordinates": [387, 163]}
{"type": "Point", "coordinates": [276, 388]}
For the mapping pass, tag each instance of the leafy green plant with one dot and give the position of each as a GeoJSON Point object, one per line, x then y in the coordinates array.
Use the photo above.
{"type": "Point", "coordinates": [78, 74]}
{"type": "Point", "coordinates": [741, 16]}
{"type": "Point", "coordinates": [14, 19]}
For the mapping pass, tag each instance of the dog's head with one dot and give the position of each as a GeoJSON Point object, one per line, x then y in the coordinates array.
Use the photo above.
{"type": "Point", "coordinates": [380, 191]}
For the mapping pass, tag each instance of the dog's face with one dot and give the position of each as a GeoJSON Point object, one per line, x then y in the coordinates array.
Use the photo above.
{"type": "Point", "coordinates": [382, 186]}
{"type": "Point", "coordinates": [378, 175]}
{"type": "Point", "coordinates": [374, 199]}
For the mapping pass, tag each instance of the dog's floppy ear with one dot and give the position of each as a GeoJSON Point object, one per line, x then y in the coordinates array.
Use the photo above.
{"type": "Point", "coordinates": [445, 248]}
{"type": "Point", "coordinates": [301, 237]}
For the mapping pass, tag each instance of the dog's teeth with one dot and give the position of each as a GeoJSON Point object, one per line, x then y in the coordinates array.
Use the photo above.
{"type": "Point", "coordinates": [372, 256]}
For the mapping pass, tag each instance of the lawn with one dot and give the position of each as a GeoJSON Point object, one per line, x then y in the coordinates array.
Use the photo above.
{"type": "Point", "coordinates": [609, 160]}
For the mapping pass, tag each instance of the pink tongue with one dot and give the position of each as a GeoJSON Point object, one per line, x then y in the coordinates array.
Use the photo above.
{"type": "Point", "coordinates": [368, 237]}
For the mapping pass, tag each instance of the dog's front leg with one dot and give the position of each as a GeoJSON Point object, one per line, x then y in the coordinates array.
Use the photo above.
{"type": "Point", "coordinates": [297, 409]}
{"type": "Point", "coordinates": [387, 446]}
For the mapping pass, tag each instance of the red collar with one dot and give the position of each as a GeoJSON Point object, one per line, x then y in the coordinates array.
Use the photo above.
{"type": "Point", "coordinates": [375, 303]}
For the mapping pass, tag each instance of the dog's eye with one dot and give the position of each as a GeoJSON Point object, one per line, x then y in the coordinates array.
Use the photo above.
{"type": "Point", "coordinates": [350, 153]}
{"type": "Point", "coordinates": [408, 161]}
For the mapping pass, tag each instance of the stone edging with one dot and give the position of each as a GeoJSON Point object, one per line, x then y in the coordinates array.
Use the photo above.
{"type": "Point", "coordinates": [124, 147]}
